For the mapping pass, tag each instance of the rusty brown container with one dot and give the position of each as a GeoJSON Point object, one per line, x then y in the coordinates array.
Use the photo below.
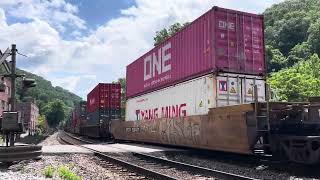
{"type": "Point", "coordinates": [223, 129]}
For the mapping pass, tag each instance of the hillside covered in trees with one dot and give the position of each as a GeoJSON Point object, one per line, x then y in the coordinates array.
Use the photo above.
{"type": "Point", "coordinates": [45, 92]}
{"type": "Point", "coordinates": [54, 103]}
{"type": "Point", "coordinates": [292, 34]}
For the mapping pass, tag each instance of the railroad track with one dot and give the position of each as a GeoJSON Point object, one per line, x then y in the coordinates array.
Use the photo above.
{"type": "Point", "coordinates": [155, 167]}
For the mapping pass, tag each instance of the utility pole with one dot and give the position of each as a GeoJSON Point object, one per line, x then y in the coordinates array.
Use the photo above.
{"type": "Point", "coordinates": [13, 77]}
{"type": "Point", "coordinates": [13, 86]}
{"type": "Point", "coordinates": [11, 123]}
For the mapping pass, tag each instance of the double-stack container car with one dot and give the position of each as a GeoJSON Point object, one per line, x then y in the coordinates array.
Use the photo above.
{"type": "Point", "coordinates": [103, 106]}
{"type": "Point", "coordinates": [215, 61]}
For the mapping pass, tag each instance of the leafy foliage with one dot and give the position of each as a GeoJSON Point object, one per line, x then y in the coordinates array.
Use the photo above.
{"type": "Point", "coordinates": [122, 82]}
{"type": "Point", "coordinates": [292, 28]}
{"type": "Point", "coordinates": [48, 172]}
{"type": "Point", "coordinates": [164, 34]}
{"type": "Point", "coordinates": [299, 53]}
{"type": "Point", "coordinates": [44, 92]}
{"type": "Point", "coordinates": [276, 60]}
{"type": "Point", "coordinates": [66, 174]}
{"type": "Point", "coordinates": [293, 47]}
{"type": "Point", "coordinates": [298, 82]}
{"type": "Point", "coordinates": [41, 124]}
{"type": "Point", "coordinates": [55, 112]}
{"type": "Point", "coordinates": [314, 37]}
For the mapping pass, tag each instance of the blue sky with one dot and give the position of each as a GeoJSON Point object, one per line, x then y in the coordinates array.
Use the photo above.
{"type": "Point", "coordinates": [98, 12]}
{"type": "Point", "coordinates": [79, 43]}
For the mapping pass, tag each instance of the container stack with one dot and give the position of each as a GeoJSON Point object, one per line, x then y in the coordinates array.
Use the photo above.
{"type": "Point", "coordinates": [82, 109]}
{"type": "Point", "coordinates": [103, 105]}
{"type": "Point", "coordinates": [78, 117]}
{"type": "Point", "coordinates": [214, 61]}
{"type": "Point", "coordinates": [74, 121]}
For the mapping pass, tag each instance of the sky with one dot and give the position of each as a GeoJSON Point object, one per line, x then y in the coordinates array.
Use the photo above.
{"type": "Point", "coordinates": [78, 43]}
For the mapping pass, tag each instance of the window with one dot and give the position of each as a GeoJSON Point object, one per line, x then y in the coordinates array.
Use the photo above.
{"type": "Point", "coordinates": [3, 105]}
{"type": "Point", "coordinates": [8, 91]}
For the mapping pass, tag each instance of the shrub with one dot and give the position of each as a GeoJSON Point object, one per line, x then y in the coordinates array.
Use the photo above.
{"type": "Point", "coordinates": [48, 171]}
{"type": "Point", "coordinates": [66, 174]}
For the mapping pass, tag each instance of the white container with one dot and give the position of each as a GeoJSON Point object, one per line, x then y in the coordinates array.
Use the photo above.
{"type": "Point", "coordinates": [195, 97]}
{"type": "Point", "coordinates": [232, 89]}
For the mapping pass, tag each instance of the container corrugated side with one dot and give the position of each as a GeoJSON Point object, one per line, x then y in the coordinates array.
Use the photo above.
{"type": "Point", "coordinates": [93, 119]}
{"type": "Point", "coordinates": [195, 97]}
{"type": "Point", "coordinates": [104, 95]}
{"type": "Point", "coordinates": [220, 40]}
{"type": "Point", "coordinates": [115, 96]}
{"type": "Point", "coordinates": [93, 99]}
{"type": "Point", "coordinates": [103, 115]}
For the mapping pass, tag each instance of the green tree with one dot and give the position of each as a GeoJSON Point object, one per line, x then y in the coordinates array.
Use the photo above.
{"type": "Point", "coordinates": [275, 59]}
{"type": "Point", "coordinates": [42, 123]}
{"type": "Point", "coordinates": [164, 34]}
{"type": "Point", "coordinates": [290, 23]}
{"type": "Point", "coordinates": [314, 37]}
{"type": "Point", "coordinates": [292, 30]}
{"type": "Point", "coordinates": [161, 36]}
{"type": "Point", "coordinates": [299, 82]}
{"type": "Point", "coordinates": [299, 53]}
{"type": "Point", "coordinates": [55, 112]}
{"type": "Point", "coordinates": [44, 92]}
{"type": "Point", "coordinates": [122, 82]}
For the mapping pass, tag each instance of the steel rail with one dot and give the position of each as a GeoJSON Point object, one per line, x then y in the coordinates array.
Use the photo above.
{"type": "Point", "coordinates": [183, 166]}
{"type": "Point", "coordinates": [137, 169]}
{"type": "Point", "coordinates": [193, 168]}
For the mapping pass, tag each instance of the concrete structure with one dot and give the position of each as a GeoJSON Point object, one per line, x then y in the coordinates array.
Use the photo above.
{"type": "Point", "coordinates": [4, 96]}
{"type": "Point", "coordinates": [29, 113]}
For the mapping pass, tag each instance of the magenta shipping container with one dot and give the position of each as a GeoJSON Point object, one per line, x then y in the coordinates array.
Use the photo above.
{"type": "Point", "coordinates": [104, 96]}
{"type": "Point", "coordinates": [221, 40]}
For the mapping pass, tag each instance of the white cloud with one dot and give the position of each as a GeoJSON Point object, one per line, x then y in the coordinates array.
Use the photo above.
{"type": "Point", "coordinates": [101, 56]}
{"type": "Point", "coordinates": [69, 82]}
{"type": "Point", "coordinates": [2, 18]}
{"type": "Point", "coordinates": [57, 13]}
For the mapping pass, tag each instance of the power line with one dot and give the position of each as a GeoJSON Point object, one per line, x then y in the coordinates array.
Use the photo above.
{"type": "Point", "coordinates": [21, 54]}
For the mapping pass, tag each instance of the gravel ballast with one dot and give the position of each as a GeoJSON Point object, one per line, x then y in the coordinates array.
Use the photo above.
{"type": "Point", "coordinates": [245, 165]}
{"type": "Point", "coordinates": [51, 140]}
{"type": "Point", "coordinates": [85, 166]}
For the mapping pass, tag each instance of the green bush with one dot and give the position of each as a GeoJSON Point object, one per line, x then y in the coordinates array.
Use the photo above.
{"type": "Point", "coordinates": [66, 174]}
{"type": "Point", "coordinates": [41, 128]}
{"type": "Point", "coordinates": [48, 171]}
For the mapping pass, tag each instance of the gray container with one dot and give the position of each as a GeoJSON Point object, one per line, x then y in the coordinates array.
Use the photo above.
{"type": "Point", "coordinates": [103, 116]}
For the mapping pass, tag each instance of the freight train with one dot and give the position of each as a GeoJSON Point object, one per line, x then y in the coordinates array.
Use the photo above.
{"type": "Point", "coordinates": [205, 87]}
{"type": "Point", "coordinates": [93, 117]}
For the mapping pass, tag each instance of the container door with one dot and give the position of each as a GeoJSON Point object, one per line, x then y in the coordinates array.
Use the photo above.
{"type": "Point", "coordinates": [203, 94]}
{"type": "Point", "coordinates": [228, 91]}
{"type": "Point", "coordinates": [227, 36]}
{"type": "Point", "coordinates": [248, 91]}
{"type": "Point", "coordinates": [239, 42]}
